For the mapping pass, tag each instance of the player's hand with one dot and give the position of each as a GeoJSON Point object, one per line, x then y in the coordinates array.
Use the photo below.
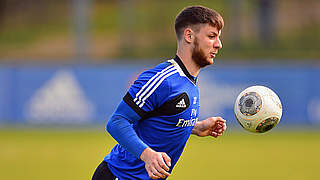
{"type": "Point", "coordinates": [213, 126]}
{"type": "Point", "coordinates": [156, 163]}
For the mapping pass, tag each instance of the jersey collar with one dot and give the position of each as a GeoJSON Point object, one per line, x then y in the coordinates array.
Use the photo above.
{"type": "Point", "coordinates": [185, 71]}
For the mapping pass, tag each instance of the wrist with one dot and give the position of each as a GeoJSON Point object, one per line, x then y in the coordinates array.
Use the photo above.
{"type": "Point", "coordinates": [195, 129]}
{"type": "Point", "coordinates": [145, 153]}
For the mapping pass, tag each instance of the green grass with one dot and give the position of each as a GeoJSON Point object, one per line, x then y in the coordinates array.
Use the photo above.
{"type": "Point", "coordinates": [74, 153]}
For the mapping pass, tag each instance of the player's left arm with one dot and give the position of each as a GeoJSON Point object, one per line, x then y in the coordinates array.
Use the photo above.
{"type": "Point", "coordinates": [213, 126]}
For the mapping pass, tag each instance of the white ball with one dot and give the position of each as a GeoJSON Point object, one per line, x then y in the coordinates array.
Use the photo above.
{"type": "Point", "coordinates": [258, 109]}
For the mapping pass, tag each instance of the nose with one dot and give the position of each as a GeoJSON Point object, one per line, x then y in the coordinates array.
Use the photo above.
{"type": "Point", "coordinates": [218, 44]}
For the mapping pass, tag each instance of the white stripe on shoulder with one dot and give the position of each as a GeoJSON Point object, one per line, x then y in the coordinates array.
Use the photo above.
{"type": "Point", "coordinates": [156, 86]}
{"type": "Point", "coordinates": [146, 88]}
{"type": "Point", "coordinates": [150, 81]}
{"type": "Point", "coordinates": [160, 78]}
{"type": "Point", "coordinates": [173, 62]}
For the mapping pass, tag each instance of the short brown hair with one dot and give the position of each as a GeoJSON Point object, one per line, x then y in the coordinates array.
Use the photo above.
{"type": "Point", "coordinates": [194, 15]}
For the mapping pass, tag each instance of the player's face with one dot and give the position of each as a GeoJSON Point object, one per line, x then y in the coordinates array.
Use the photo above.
{"type": "Point", "coordinates": [206, 45]}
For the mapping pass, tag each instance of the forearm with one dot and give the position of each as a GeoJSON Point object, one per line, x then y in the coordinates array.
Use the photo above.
{"type": "Point", "coordinates": [122, 131]}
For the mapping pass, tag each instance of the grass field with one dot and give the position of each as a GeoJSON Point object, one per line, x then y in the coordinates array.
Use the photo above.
{"type": "Point", "coordinates": [74, 153]}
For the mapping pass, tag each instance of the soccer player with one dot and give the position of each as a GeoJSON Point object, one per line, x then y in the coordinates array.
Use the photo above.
{"type": "Point", "coordinates": [160, 110]}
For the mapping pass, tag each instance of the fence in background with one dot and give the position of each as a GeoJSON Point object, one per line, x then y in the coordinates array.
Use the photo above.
{"type": "Point", "coordinates": [89, 94]}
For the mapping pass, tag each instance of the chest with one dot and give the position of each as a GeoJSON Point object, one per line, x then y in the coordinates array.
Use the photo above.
{"type": "Point", "coordinates": [181, 109]}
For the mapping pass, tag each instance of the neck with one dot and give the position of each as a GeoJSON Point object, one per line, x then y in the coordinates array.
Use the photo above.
{"type": "Point", "coordinates": [186, 58]}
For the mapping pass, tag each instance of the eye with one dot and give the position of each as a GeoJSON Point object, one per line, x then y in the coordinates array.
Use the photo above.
{"type": "Point", "coordinates": [212, 36]}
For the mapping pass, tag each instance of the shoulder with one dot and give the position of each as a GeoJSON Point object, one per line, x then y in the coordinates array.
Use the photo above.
{"type": "Point", "coordinates": [157, 75]}
{"type": "Point", "coordinates": [161, 69]}
{"type": "Point", "coordinates": [153, 86]}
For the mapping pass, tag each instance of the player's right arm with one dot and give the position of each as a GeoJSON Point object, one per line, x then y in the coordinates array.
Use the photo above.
{"type": "Point", "coordinates": [135, 106]}
{"type": "Point", "coordinates": [120, 128]}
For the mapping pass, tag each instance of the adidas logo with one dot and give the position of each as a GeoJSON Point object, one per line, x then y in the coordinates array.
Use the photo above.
{"type": "Point", "coordinates": [181, 104]}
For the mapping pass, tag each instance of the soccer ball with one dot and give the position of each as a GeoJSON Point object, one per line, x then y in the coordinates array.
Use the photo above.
{"type": "Point", "coordinates": [258, 109]}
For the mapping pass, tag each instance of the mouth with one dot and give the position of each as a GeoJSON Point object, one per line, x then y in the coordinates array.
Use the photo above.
{"type": "Point", "coordinates": [213, 54]}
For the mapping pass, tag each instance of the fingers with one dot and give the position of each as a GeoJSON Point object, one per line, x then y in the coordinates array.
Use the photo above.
{"type": "Point", "coordinates": [219, 128]}
{"type": "Point", "coordinates": [218, 122]}
{"type": "Point", "coordinates": [162, 172]}
{"type": "Point", "coordinates": [163, 164]}
{"type": "Point", "coordinates": [158, 167]}
{"type": "Point", "coordinates": [214, 134]}
{"type": "Point", "coordinates": [152, 172]}
{"type": "Point", "coordinates": [219, 119]}
{"type": "Point", "coordinates": [155, 174]}
{"type": "Point", "coordinates": [167, 159]}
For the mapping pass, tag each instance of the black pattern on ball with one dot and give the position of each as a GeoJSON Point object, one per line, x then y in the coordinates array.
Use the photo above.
{"type": "Point", "coordinates": [267, 124]}
{"type": "Point", "coordinates": [250, 103]}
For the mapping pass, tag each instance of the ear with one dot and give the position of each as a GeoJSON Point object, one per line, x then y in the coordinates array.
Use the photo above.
{"type": "Point", "coordinates": [188, 35]}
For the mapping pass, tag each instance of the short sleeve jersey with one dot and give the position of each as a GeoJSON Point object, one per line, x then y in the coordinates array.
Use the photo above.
{"type": "Point", "coordinates": [166, 98]}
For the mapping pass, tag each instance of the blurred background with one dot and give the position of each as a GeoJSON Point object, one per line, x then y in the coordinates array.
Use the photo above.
{"type": "Point", "coordinates": [65, 65]}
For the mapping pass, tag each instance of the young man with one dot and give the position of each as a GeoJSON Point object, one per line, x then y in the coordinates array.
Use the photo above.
{"type": "Point", "coordinates": [160, 110]}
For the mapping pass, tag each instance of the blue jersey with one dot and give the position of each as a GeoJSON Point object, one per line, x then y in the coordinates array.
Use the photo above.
{"type": "Point", "coordinates": [165, 100]}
